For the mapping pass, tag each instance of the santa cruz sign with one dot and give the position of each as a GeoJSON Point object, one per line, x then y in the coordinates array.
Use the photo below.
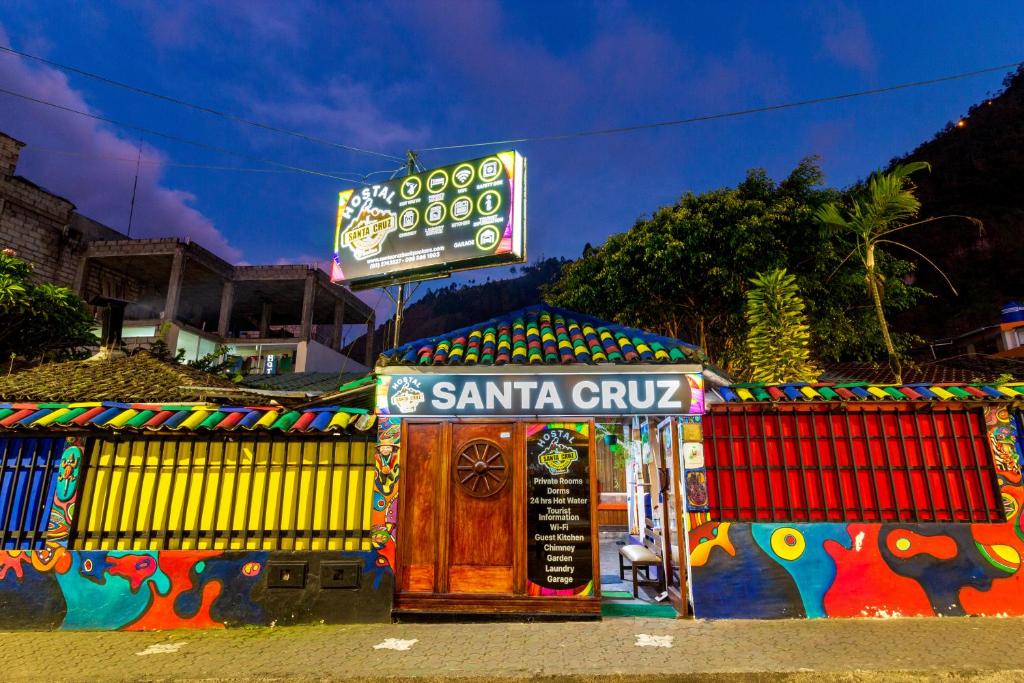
{"type": "Point", "coordinates": [466, 394]}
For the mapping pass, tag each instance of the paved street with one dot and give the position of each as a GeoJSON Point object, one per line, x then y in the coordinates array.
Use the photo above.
{"type": "Point", "coordinates": [616, 649]}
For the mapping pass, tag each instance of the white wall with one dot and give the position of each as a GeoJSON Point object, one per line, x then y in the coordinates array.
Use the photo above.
{"type": "Point", "coordinates": [195, 346]}
{"type": "Point", "coordinates": [137, 331]}
{"type": "Point", "coordinates": [312, 356]}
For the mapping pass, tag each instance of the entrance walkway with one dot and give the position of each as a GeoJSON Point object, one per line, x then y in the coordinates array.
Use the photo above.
{"type": "Point", "coordinates": [614, 649]}
{"type": "Point", "coordinates": [617, 595]}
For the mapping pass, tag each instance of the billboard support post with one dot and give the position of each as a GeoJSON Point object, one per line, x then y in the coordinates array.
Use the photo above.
{"type": "Point", "coordinates": [410, 168]}
{"type": "Point", "coordinates": [399, 304]}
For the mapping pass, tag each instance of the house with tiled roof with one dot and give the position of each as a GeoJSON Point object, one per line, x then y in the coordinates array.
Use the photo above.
{"type": "Point", "coordinates": [809, 499]}
{"type": "Point", "coordinates": [848, 497]}
{"type": "Point", "coordinates": [141, 391]}
{"type": "Point", "coordinates": [483, 401]}
{"type": "Point", "coordinates": [259, 490]}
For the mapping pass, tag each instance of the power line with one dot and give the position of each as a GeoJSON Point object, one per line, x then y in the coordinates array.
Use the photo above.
{"type": "Point", "coordinates": [167, 136]}
{"type": "Point", "coordinates": [355, 175]}
{"type": "Point", "coordinates": [196, 107]}
{"type": "Point", "coordinates": [732, 114]}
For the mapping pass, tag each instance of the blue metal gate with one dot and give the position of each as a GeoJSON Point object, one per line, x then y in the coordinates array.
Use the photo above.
{"type": "Point", "coordinates": [28, 477]}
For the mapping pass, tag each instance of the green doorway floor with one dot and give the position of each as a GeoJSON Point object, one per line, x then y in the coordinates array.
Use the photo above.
{"type": "Point", "coordinates": [636, 608]}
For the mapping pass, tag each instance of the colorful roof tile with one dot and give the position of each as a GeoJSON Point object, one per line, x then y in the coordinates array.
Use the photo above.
{"type": "Point", "coordinates": [969, 369]}
{"type": "Point", "coordinates": [862, 391]}
{"type": "Point", "coordinates": [164, 417]}
{"type": "Point", "coordinates": [543, 335]}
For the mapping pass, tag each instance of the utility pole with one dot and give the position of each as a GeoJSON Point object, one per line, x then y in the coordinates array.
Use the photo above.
{"type": "Point", "coordinates": [135, 187]}
{"type": "Point", "coordinates": [410, 168]}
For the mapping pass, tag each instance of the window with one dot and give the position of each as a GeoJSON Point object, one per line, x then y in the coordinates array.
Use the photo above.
{"type": "Point", "coordinates": [28, 477]}
{"type": "Point", "coordinates": [817, 463]}
{"type": "Point", "coordinates": [227, 493]}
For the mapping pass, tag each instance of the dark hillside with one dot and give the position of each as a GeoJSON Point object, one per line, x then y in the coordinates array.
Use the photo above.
{"type": "Point", "coordinates": [977, 170]}
{"type": "Point", "coordinates": [455, 306]}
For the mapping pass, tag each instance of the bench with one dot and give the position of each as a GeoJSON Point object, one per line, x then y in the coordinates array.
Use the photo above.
{"type": "Point", "coordinates": [639, 558]}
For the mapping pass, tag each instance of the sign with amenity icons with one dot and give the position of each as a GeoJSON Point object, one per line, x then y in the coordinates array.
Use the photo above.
{"type": "Point", "coordinates": [468, 215]}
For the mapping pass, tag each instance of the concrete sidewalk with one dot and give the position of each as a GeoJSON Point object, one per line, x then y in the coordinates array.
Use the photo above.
{"type": "Point", "coordinates": [615, 649]}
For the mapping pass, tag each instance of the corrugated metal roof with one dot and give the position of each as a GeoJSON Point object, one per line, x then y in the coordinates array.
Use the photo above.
{"type": "Point", "coordinates": [543, 335]}
{"type": "Point", "coordinates": [150, 416]}
{"type": "Point", "coordinates": [860, 391]}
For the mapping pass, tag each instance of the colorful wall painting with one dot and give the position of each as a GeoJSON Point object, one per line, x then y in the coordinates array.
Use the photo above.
{"type": "Point", "coordinates": [559, 545]}
{"type": "Point", "coordinates": [750, 570]}
{"type": "Point", "coordinates": [143, 590]}
{"type": "Point", "coordinates": [146, 590]}
{"type": "Point", "coordinates": [62, 509]}
{"type": "Point", "coordinates": [299, 488]}
{"type": "Point", "coordinates": [384, 516]}
{"type": "Point", "coordinates": [691, 449]}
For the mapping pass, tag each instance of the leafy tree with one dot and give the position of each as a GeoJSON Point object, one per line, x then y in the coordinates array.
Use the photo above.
{"type": "Point", "coordinates": [778, 337]}
{"type": "Point", "coordinates": [39, 321]}
{"type": "Point", "coordinates": [216, 362]}
{"type": "Point", "coordinates": [160, 348]}
{"type": "Point", "coordinates": [874, 212]}
{"type": "Point", "coordinates": [685, 270]}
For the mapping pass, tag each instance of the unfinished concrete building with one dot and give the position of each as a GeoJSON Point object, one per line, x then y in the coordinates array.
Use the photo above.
{"type": "Point", "coordinates": [274, 319]}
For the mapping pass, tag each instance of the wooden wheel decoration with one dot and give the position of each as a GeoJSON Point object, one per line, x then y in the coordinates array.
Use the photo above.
{"type": "Point", "coordinates": [480, 469]}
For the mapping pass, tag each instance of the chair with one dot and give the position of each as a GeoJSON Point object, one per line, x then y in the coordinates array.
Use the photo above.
{"type": "Point", "coordinates": [639, 558]}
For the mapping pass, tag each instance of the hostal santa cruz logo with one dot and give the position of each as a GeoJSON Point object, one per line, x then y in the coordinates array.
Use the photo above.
{"type": "Point", "coordinates": [557, 453]}
{"type": "Point", "coordinates": [406, 394]}
{"type": "Point", "coordinates": [365, 235]}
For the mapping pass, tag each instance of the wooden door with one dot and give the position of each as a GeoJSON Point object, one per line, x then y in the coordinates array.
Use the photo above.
{"type": "Point", "coordinates": [482, 471]}
{"type": "Point", "coordinates": [462, 522]}
{"type": "Point", "coordinates": [459, 525]}
{"type": "Point", "coordinates": [422, 457]}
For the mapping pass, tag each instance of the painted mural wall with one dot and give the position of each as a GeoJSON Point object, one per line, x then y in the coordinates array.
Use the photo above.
{"type": "Point", "coordinates": [58, 587]}
{"type": "Point", "coordinates": [766, 571]}
{"type": "Point", "coordinates": [384, 517]}
{"type": "Point", "coordinates": [144, 590]}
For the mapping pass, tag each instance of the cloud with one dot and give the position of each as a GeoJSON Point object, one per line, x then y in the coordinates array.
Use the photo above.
{"type": "Point", "coordinates": [627, 70]}
{"type": "Point", "coordinates": [169, 25]}
{"type": "Point", "coordinates": [342, 109]}
{"type": "Point", "coordinates": [845, 37]}
{"type": "Point", "coordinates": [746, 76]}
{"type": "Point", "coordinates": [178, 25]}
{"type": "Point", "coordinates": [99, 182]}
{"type": "Point", "coordinates": [825, 138]}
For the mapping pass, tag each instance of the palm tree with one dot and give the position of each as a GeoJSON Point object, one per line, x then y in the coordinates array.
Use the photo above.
{"type": "Point", "coordinates": [778, 339]}
{"type": "Point", "coordinates": [882, 207]}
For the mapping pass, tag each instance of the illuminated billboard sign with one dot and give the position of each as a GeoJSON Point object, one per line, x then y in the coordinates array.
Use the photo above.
{"type": "Point", "coordinates": [466, 215]}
